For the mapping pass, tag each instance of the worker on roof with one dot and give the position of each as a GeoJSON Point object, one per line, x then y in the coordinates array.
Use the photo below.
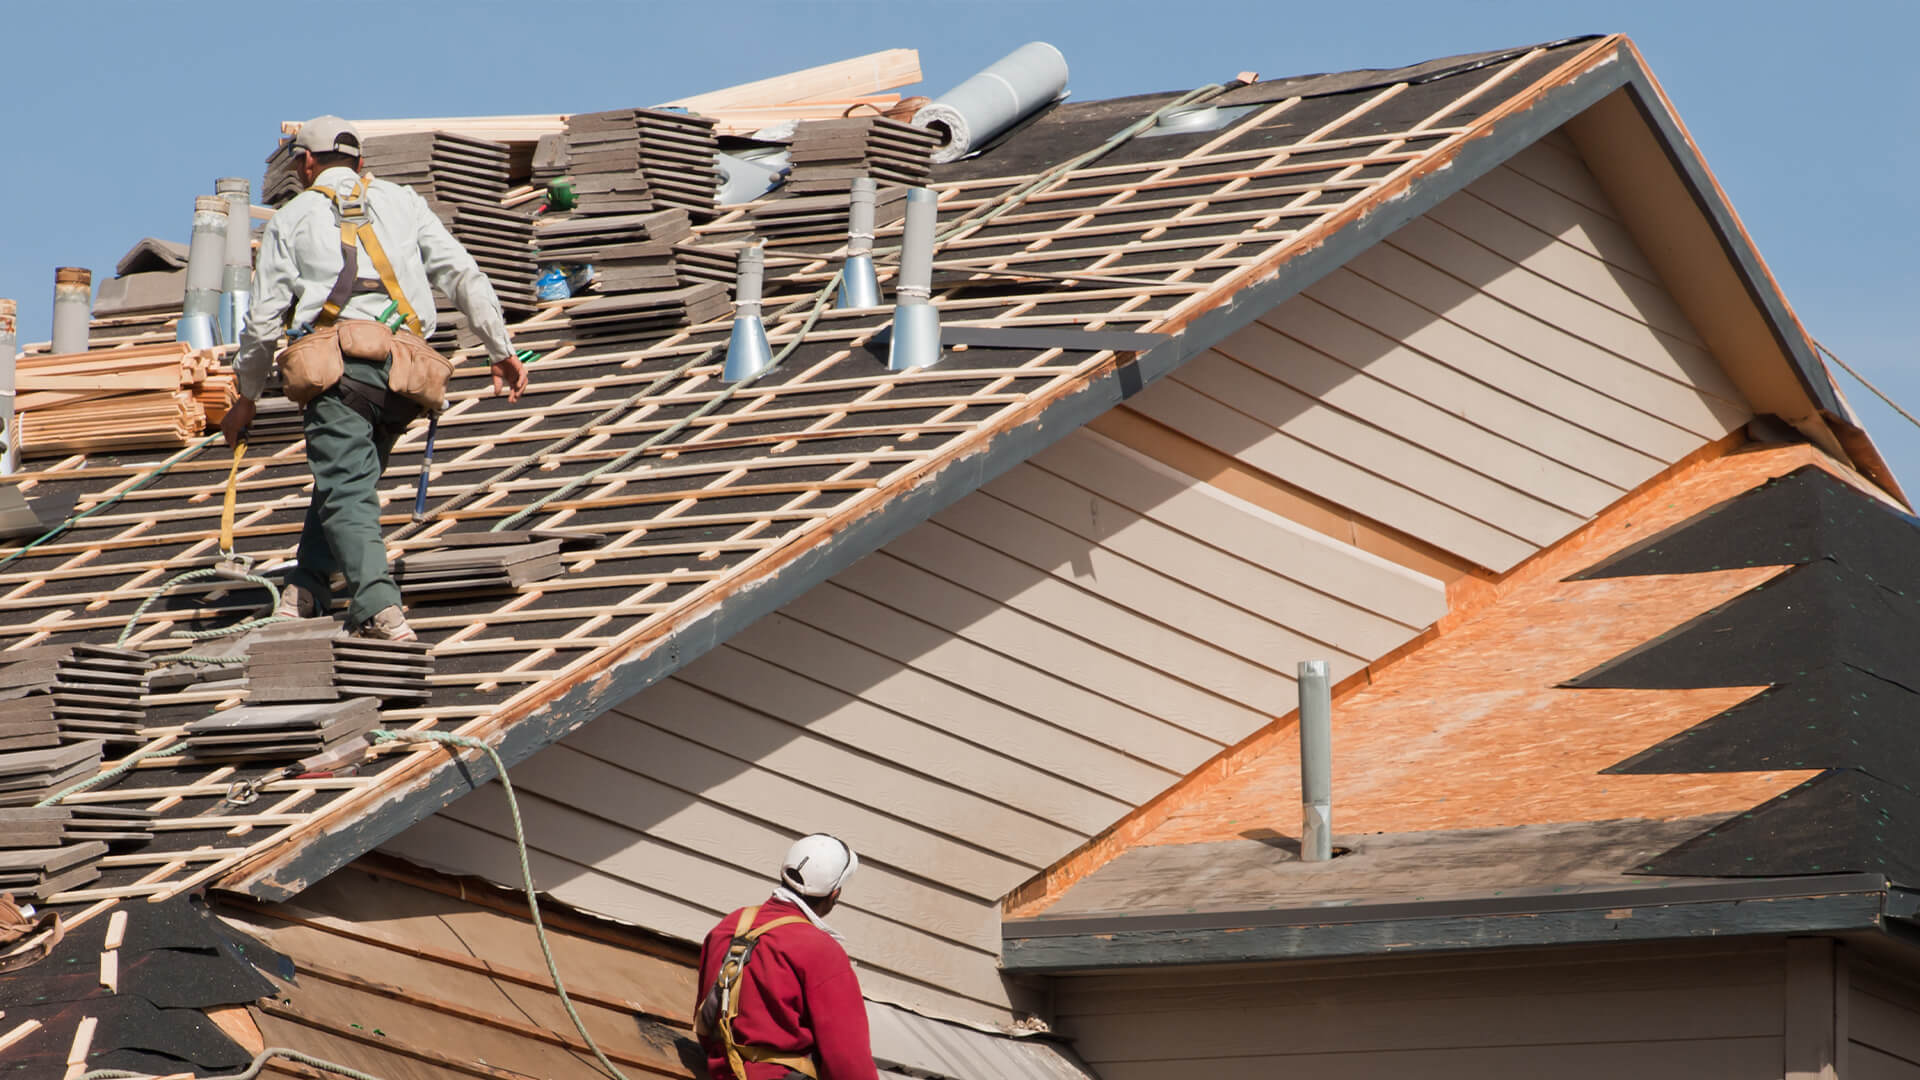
{"type": "Point", "coordinates": [334, 261]}
{"type": "Point", "coordinates": [779, 997]}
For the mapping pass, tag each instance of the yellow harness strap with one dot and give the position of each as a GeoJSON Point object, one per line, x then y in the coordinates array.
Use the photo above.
{"type": "Point", "coordinates": [355, 229]}
{"type": "Point", "coordinates": [739, 1053]}
{"type": "Point", "coordinates": [226, 509]}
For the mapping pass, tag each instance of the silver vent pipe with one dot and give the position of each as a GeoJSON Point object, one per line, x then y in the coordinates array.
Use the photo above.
{"type": "Point", "coordinates": [1006, 92]}
{"type": "Point", "coordinates": [206, 255]}
{"type": "Point", "coordinates": [72, 308]}
{"type": "Point", "coordinates": [1316, 762]}
{"type": "Point", "coordinates": [859, 288]}
{"type": "Point", "coordinates": [9, 423]}
{"type": "Point", "coordinates": [236, 275]}
{"type": "Point", "coordinates": [916, 322]}
{"type": "Point", "coordinates": [747, 351]}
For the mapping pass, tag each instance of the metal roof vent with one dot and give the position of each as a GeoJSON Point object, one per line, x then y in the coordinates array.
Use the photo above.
{"type": "Point", "coordinates": [747, 351]}
{"type": "Point", "coordinates": [236, 274]}
{"type": "Point", "coordinates": [72, 308]}
{"type": "Point", "coordinates": [1195, 119]}
{"type": "Point", "coordinates": [916, 322]}
{"type": "Point", "coordinates": [199, 324]}
{"type": "Point", "coordinates": [859, 287]}
{"type": "Point", "coordinates": [9, 452]}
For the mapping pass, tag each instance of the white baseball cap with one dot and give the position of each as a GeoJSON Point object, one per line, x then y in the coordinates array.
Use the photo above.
{"type": "Point", "coordinates": [819, 864]}
{"type": "Point", "coordinates": [327, 134]}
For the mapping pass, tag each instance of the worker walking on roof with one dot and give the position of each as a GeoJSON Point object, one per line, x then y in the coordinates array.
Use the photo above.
{"type": "Point", "coordinates": [333, 262]}
{"type": "Point", "coordinates": [779, 997]}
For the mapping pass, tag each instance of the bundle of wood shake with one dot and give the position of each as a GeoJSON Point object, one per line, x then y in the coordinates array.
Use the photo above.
{"type": "Point", "coordinates": [138, 398]}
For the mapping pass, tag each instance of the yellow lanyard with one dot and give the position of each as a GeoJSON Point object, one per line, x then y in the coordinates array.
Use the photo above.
{"type": "Point", "coordinates": [226, 510]}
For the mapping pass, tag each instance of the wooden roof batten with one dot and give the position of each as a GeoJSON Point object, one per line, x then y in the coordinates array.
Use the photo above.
{"type": "Point", "coordinates": [542, 715]}
{"type": "Point", "coordinates": [611, 651]}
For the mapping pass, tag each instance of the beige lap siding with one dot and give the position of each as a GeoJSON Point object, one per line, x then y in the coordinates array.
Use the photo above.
{"type": "Point", "coordinates": [1485, 379]}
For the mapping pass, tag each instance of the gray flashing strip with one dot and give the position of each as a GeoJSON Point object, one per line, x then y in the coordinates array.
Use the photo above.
{"type": "Point", "coordinates": [1804, 905]}
{"type": "Point", "coordinates": [400, 809]}
{"type": "Point", "coordinates": [1031, 337]}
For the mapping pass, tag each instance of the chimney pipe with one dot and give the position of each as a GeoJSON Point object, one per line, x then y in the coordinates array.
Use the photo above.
{"type": "Point", "coordinates": [9, 423]}
{"type": "Point", "coordinates": [916, 322]}
{"type": "Point", "coordinates": [859, 288]}
{"type": "Point", "coordinates": [1316, 762]}
{"type": "Point", "coordinates": [199, 319]}
{"type": "Point", "coordinates": [236, 276]}
{"type": "Point", "coordinates": [72, 308]}
{"type": "Point", "coordinates": [747, 351]}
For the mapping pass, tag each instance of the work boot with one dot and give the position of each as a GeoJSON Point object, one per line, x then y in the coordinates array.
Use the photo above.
{"type": "Point", "coordinates": [296, 603]}
{"type": "Point", "coordinates": [387, 624]}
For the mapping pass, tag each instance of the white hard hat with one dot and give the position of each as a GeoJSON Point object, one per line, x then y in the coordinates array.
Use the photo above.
{"type": "Point", "coordinates": [817, 865]}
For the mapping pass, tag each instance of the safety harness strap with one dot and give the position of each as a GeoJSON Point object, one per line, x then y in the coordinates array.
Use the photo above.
{"type": "Point", "coordinates": [727, 984]}
{"type": "Point", "coordinates": [226, 507]}
{"type": "Point", "coordinates": [356, 232]}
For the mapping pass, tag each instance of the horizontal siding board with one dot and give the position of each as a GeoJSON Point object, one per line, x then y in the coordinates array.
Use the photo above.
{"type": "Point", "coordinates": [587, 841]}
{"type": "Point", "coordinates": [1324, 357]}
{"type": "Point", "coordinates": [1634, 444]}
{"type": "Point", "coordinates": [1408, 465]}
{"type": "Point", "coordinates": [1574, 224]}
{"type": "Point", "coordinates": [1724, 1059]}
{"type": "Point", "coordinates": [683, 707]}
{"type": "Point", "coordinates": [1328, 475]}
{"type": "Point", "coordinates": [988, 621]}
{"type": "Point", "coordinates": [1562, 170]}
{"type": "Point", "coordinates": [1540, 250]}
{"type": "Point", "coordinates": [1249, 534]}
{"type": "Point", "coordinates": [1012, 680]}
{"type": "Point", "coordinates": [1011, 741]}
{"type": "Point", "coordinates": [1521, 332]}
{"type": "Point", "coordinates": [1227, 578]}
{"type": "Point", "coordinates": [623, 797]}
{"type": "Point", "coordinates": [780, 800]}
{"type": "Point", "coordinates": [1886, 1026]}
{"type": "Point", "coordinates": [1168, 600]}
{"type": "Point", "coordinates": [1866, 1062]}
{"type": "Point", "coordinates": [1603, 466]}
{"type": "Point", "coordinates": [985, 570]}
{"type": "Point", "coordinates": [1586, 319]}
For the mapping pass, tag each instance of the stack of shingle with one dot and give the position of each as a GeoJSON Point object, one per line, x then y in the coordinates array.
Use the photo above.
{"type": "Point", "coordinates": [628, 252]}
{"type": "Point", "coordinates": [282, 181]}
{"type": "Point", "coordinates": [280, 732]}
{"type": "Point", "coordinates": [479, 568]}
{"type": "Point", "coordinates": [500, 239]}
{"type": "Point", "coordinates": [27, 776]}
{"type": "Point", "coordinates": [448, 171]}
{"type": "Point", "coordinates": [816, 219]}
{"type": "Point", "coordinates": [828, 154]}
{"type": "Point", "coordinates": [86, 691]}
{"type": "Point", "coordinates": [699, 262]}
{"type": "Point", "coordinates": [671, 154]}
{"type": "Point", "coordinates": [550, 158]}
{"type": "Point", "coordinates": [52, 826]}
{"type": "Point", "coordinates": [41, 872]}
{"type": "Point", "coordinates": [307, 661]}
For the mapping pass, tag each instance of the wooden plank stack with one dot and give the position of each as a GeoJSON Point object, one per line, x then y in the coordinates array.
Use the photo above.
{"type": "Point", "coordinates": [280, 732]}
{"type": "Point", "coordinates": [27, 776]}
{"type": "Point", "coordinates": [137, 398]}
{"type": "Point", "coordinates": [39, 873]}
{"type": "Point", "coordinates": [53, 826]}
{"type": "Point", "coordinates": [670, 153]}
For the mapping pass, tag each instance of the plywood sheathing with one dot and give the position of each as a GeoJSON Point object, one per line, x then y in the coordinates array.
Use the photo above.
{"type": "Point", "coordinates": [1466, 727]}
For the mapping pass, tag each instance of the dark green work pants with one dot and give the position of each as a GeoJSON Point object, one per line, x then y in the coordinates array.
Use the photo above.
{"type": "Point", "coordinates": [347, 451]}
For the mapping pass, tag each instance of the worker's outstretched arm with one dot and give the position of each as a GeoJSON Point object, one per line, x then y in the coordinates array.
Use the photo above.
{"type": "Point", "coordinates": [841, 1040]}
{"type": "Point", "coordinates": [459, 278]}
{"type": "Point", "coordinates": [274, 276]}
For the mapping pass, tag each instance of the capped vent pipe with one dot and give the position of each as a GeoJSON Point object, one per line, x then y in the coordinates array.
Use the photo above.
{"type": "Point", "coordinates": [9, 423]}
{"type": "Point", "coordinates": [206, 255]}
{"type": "Point", "coordinates": [916, 322]}
{"type": "Point", "coordinates": [72, 308]}
{"type": "Point", "coordinates": [1316, 762]}
{"type": "Point", "coordinates": [236, 275]}
{"type": "Point", "coordinates": [859, 288]}
{"type": "Point", "coordinates": [1003, 94]}
{"type": "Point", "coordinates": [747, 351]}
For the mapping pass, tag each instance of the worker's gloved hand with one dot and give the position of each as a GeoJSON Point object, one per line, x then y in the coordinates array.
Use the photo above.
{"type": "Point", "coordinates": [509, 377]}
{"type": "Point", "coordinates": [240, 414]}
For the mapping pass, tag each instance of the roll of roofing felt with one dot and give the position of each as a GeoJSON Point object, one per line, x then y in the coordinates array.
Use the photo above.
{"type": "Point", "coordinates": [1005, 93]}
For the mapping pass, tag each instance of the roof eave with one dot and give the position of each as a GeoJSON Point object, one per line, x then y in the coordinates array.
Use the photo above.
{"type": "Point", "coordinates": [430, 783]}
{"type": "Point", "coordinates": [1835, 904]}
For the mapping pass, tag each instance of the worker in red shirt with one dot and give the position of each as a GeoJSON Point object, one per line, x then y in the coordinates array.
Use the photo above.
{"type": "Point", "coordinates": [779, 999]}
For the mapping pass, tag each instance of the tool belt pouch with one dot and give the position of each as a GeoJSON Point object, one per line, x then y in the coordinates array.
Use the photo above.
{"type": "Point", "coordinates": [310, 366]}
{"type": "Point", "coordinates": [418, 373]}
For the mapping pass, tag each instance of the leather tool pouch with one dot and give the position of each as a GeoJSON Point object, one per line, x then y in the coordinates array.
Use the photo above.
{"type": "Point", "coordinates": [418, 373]}
{"type": "Point", "coordinates": [311, 365]}
{"type": "Point", "coordinates": [365, 341]}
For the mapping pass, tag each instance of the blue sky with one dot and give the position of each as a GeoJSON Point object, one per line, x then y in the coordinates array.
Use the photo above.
{"type": "Point", "coordinates": [115, 114]}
